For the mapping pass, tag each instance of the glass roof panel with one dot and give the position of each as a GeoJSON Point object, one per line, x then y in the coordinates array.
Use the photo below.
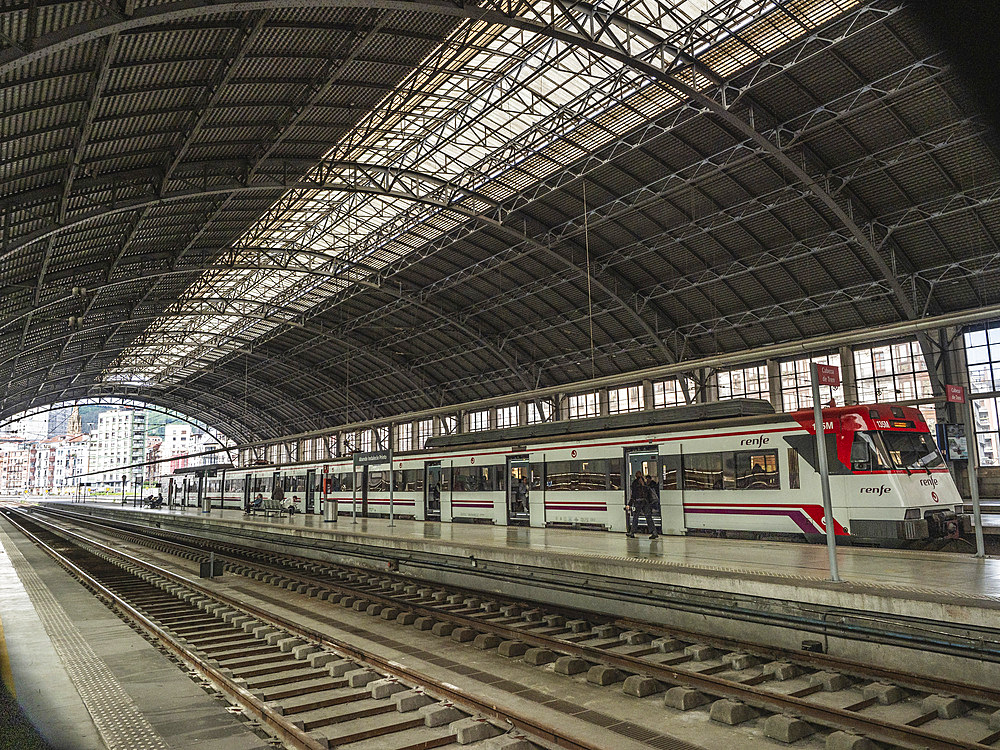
{"type": "Point", "coordinates": [493, 110]}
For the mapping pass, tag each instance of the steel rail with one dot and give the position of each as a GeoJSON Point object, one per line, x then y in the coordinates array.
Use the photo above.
{"type": "Point", "coordinates": [820, 624]}
{"type": "Point", "coordinates": [830, 717]}
{"type": "Point", "coordinates": [450, 692]}
{"type": "Point", "coordinates": [833, 718]}
{"type": "Point", "coordinates": [969, 691]}
{"type": "Point", "coordinates": [285, 730]}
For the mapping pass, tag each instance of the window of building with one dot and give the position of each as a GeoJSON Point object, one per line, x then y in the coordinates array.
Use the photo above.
{"type": "Point", "coordinates": [350, 442]}
{"type": "Point", "coordinates": [894, 372]}
{"type": "Point", "coordinates": [667, 393]}
{"type": "Point", "coordinates": [582, 405]}
{"type": "Point", "coordinates": [367, 440]}
{"type": "Point", "coordinates": [382, 438]}
{"type": "Point", "coordinates": [626, 399]}
{"type": "Point", "coordinates": [425, 430]}
{"type": "Point", "coordinates": [744, 382]}
{"type": "Point", "coordinates": [507, 416]}
{"type": "Point", "coordinates": [982, 355]}
{"type": "Point", "coordinates": [540, 410]}
{"type": "Point", "coordinates": [404, 436]}
{"type": "Point", "coordinates": [479, 420]}
{"type": "Point", "coordinates": [796, 385]}
{"type": "Point", "coordinates": [449, 425]}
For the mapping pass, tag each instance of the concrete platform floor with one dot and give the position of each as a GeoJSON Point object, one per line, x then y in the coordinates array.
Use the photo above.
{"type": "Point", "coordinates": [87, 681]}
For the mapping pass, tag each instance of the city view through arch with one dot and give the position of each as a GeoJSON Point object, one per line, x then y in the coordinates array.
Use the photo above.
{"type": "Point", "coordinates": [90, 446]}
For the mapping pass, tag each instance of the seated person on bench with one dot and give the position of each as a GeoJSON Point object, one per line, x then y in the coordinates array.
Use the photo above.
{"type": "Point", "coordinates": [256, 504]}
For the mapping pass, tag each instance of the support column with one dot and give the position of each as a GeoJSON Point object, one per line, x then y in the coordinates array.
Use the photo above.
{"type": "Point", "coordinates": [710, 387]}
{"type": "Point", "coordinates": [203, 499]}
{"type": "Point", "coordinates": [604, 402]}
{"type": "Point", "coordinates": [848, 376]}
{"type": "Point", "coordinates": [647, 395]}
{"type": "Point", "coordinates": [522, 413]}
{"type": "Point", "coordinates": [774, 384]}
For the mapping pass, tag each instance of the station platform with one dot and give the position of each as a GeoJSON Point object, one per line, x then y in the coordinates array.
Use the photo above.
{"type": "Point", "coordinates": [75, 676]}
{"type": "Point", "coordinates": [949, 587]}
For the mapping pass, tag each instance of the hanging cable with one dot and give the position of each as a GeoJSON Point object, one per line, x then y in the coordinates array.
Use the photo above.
{"type": "Point", "coordinates": [590, 300]}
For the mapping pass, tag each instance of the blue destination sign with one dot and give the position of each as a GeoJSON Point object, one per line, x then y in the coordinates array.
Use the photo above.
{"type": "Point", "coordinates": [372, 457]}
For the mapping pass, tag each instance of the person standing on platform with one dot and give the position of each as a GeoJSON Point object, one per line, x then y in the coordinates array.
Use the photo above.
{"type": "Point", "coordinates": [637, 497]}
{"type": "Point", "coordinates": [653, 495]}
{"type": "Point", "coordinates": [278, 495]}
{"type": "Point", "coordinates": [521, 496]}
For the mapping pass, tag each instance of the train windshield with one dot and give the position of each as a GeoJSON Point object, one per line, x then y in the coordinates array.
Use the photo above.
{"type": "Point", "coordinates": [912, 451]}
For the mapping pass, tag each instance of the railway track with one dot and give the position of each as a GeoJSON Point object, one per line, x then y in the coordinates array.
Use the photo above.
{"type": "Point", "coordinates": [805, 697]}
{"type": "Point", "coordinates": [307, 693]}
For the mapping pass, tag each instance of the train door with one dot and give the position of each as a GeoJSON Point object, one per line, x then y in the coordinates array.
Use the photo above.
{"type": "Point", "coordinates": [310, 490]}
{"type": "Point", "coordinates": [247, 490]}
{"type": "Point", "coordinates": [646, 461]}
{"type": "Point", "coordinates": [518, 495]}
{"type": "Point", "coordinates": [276, 482]}
{"type": "Point", "coordinates": [432, 491]}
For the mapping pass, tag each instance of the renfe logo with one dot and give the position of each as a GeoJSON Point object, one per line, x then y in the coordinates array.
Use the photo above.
{"type": "Point", "coordinates": [929, 482]}
{"type": "Point", "coordinates": [876, 490]}
{"type": "Point", "coordinates": [757, 442]}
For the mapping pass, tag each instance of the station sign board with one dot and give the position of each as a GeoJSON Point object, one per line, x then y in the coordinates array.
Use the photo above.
{"type": "Point", "coordinates": [370, 458]}
{"type": "Point", "coordinates": [828, 375]}
{"type": "Point", "coordinates": [954, 394]}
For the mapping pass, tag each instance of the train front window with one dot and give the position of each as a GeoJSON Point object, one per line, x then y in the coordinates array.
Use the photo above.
{"type": "Point", "coordinates": [868, 453]}
{"type": "Point", "coordinates": [912, 451]}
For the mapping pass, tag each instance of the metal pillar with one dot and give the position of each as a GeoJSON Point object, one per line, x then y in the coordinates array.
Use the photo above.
{"type": "Point", "coordinates": [203, 499]}
{"type": "Point", "coordinates": [392, 484]}
{"type": "Point", "coordinates": [329, 505]}
{"type": "Point", "coordinates": [824, 474]}
{"type": "Point", "coordinates": [354, 494]}
{"type": "Point", "coordinates": [973, 449]}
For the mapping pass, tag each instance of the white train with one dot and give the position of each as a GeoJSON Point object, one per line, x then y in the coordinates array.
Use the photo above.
{"type": "Point", "coordinates": [728, 466]}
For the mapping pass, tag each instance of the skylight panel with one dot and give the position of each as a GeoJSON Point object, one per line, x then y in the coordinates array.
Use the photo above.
{"type": "Point", "coordinates": [495, 111]}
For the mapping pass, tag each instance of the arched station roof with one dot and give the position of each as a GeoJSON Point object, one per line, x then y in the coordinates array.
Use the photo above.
{"type": "Point", "coordinates": [283, 216]}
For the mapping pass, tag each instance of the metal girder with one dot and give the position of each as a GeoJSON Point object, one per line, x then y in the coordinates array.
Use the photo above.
{"type": "Point", "coordinates": [405, 185]}
{"type": "Point", "coordinates": [706, 168]}
{"type": "Point", "coordinates": [239, 46]}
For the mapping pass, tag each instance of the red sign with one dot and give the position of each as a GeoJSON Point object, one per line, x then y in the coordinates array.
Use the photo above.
{"type": "Point", "coordinates": [954, 394]}
{"type": "Point", "coordinates": [828, 375]}
{"type": "Point", "coordinates": [326, 469]}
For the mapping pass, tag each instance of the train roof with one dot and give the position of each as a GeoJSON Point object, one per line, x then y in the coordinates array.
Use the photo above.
{"type": "Point", "coordinates": [741, 407]}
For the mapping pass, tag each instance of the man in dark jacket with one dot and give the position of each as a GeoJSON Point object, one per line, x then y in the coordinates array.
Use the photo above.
{"type": "Point", "coordinates": [639, 502]}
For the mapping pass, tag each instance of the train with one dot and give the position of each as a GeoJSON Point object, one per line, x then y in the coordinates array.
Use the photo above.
{"type": "Point", "coordinates": [726, 467]}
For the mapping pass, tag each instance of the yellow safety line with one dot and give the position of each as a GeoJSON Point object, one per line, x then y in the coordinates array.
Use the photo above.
{"type": "Point", "coordinates": [6, 675]}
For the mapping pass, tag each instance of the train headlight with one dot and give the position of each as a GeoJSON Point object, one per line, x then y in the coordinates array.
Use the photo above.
{"type": "Point", "coordinates": [959, 509]}
{"type": "Point", "coordinates": [911, 514]}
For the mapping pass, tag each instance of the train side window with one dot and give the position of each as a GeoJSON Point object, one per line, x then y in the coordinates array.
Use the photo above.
{"type": "Point", "coordinates": [671, 472]}
{"type": "Point", "coordinates": [757, 470]}
{"type": "Point", "coordinates": [536, 478]}
{"type": "Point", "coordinates": [793, 469]}
{"type": "Point", "coordinates": [589, 475]}
{"type": "Point", "coordinates": [615, 474]}
{"type": "Point", "coordinates": [729, 470]}
{"type": "Point", "coordinates": [703, 471]}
